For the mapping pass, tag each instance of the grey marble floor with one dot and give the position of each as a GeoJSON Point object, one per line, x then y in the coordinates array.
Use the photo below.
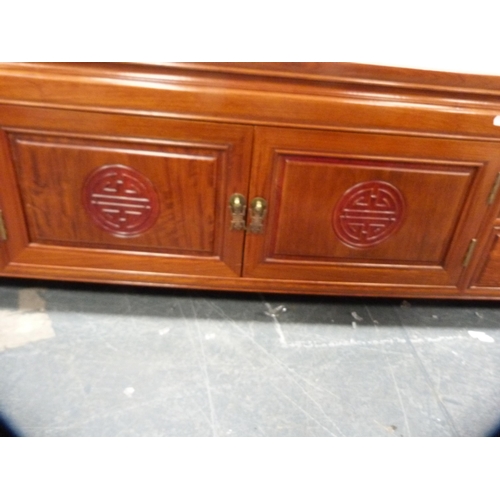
{"type": "Point", "coordinates": [90, 360]}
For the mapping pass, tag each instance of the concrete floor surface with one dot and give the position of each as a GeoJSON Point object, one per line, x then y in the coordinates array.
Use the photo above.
{"type": "Point", "coordinates": [92, 360]}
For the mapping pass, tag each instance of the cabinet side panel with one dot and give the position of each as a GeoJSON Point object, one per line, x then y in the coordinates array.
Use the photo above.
{"type": "Point", "coordinates": [12, 213]}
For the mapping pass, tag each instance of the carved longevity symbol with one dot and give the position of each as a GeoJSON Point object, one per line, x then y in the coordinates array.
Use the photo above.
{"type": "Point", "coordinates": [121, 200]}
{"type": "Point", "coordinates": [368, 213]}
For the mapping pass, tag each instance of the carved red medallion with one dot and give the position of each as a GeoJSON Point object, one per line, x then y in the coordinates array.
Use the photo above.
{"type": "Point", "coordinates": [120, 200]}
{"type": "Point", "coordinates": [368, 213]}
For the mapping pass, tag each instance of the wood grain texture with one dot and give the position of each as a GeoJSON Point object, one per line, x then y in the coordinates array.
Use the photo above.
{"type": "Point", "coordinates": [300, 135]}
{"type": "Point", "coordinates": [118, 276]}
{"type": "Point", "coordinates": [361, 74]}
{"type": "Point", "coordinates": [303, 174]}
{"type": "Point", "coordinates": [312, 188]}
{"type": "Point", "coordinates": [10, 201]}
{"type": "Point", "coordinates": [52, 174]}
{"type": "Point", "coordinates": [233, 97]}
{"type": "Point", "coordinates": [192, 169]}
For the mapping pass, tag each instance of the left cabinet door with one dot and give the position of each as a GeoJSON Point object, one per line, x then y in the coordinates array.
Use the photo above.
{"type": "Point", "coordinates": [107, 197]}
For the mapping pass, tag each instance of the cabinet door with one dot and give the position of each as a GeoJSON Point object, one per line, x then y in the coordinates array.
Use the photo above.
{"type": "Point", "coordinates": [367, 209]}
{"type": "Point", "coordinates": [487, 275]}
{"type": "Point", "coordinates": [102, 196]}
{"type": "Point", "coordinates": [483, 275]}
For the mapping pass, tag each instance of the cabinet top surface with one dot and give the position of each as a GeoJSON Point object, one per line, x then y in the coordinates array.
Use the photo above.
{"type": "Point", "coordinates": [302, 94]}
{"type": "Point", "coordinates": [349, 72]}
{"type": "Point", "coordinates": [362, 76]}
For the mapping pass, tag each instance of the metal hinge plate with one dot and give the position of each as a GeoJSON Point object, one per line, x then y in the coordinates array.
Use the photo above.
{"type": "Point", "coordinates": [494, 190]}
{"type": "Point", "coordinates": [470, 252]}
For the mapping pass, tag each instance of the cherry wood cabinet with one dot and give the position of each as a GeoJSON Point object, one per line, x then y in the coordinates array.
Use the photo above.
{"type": "Point", "coordinates": [299, 178]}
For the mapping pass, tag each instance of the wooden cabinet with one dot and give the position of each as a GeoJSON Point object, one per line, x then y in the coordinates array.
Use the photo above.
{"type": "Point", "coordinates": [335, 179]}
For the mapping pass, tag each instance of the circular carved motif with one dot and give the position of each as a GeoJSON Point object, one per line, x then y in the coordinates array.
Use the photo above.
{"type": "Point", "coordinates": [368, 213]}
{"type": "Point", "coordinates": [120, 200]}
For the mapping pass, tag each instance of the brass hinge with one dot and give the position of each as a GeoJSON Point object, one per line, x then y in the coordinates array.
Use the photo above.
{"type": "Point", "coordinates": [494, 190]}
{"type": "Point", "coordinates": [470, 251]}
{"type": "Point", "coordinates": [3, 231]}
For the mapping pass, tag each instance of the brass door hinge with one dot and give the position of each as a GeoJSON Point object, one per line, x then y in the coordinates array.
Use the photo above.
{"type": "Point", "coordinates": [3, 231]}
{"type": "Point", "coordinates": [494, 190]}
{"type": "Point", "coordinates": [470, 251]}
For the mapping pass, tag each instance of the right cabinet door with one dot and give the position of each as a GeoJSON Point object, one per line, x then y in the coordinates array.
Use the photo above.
{"type": "Point", "coordinates": [365, 209]}
{"type": "Point", "coordinates": [486, 277]}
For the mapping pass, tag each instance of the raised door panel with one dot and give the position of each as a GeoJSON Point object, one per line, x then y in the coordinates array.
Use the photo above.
{"type": "Point", "coordinates": [371, 218]}
{"type": "Point", "coordinates": [367, 209]}
{"type": "Point", "coordinates": [112, 194]}
{"type": "Point", "coordinates": [127, 194]}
